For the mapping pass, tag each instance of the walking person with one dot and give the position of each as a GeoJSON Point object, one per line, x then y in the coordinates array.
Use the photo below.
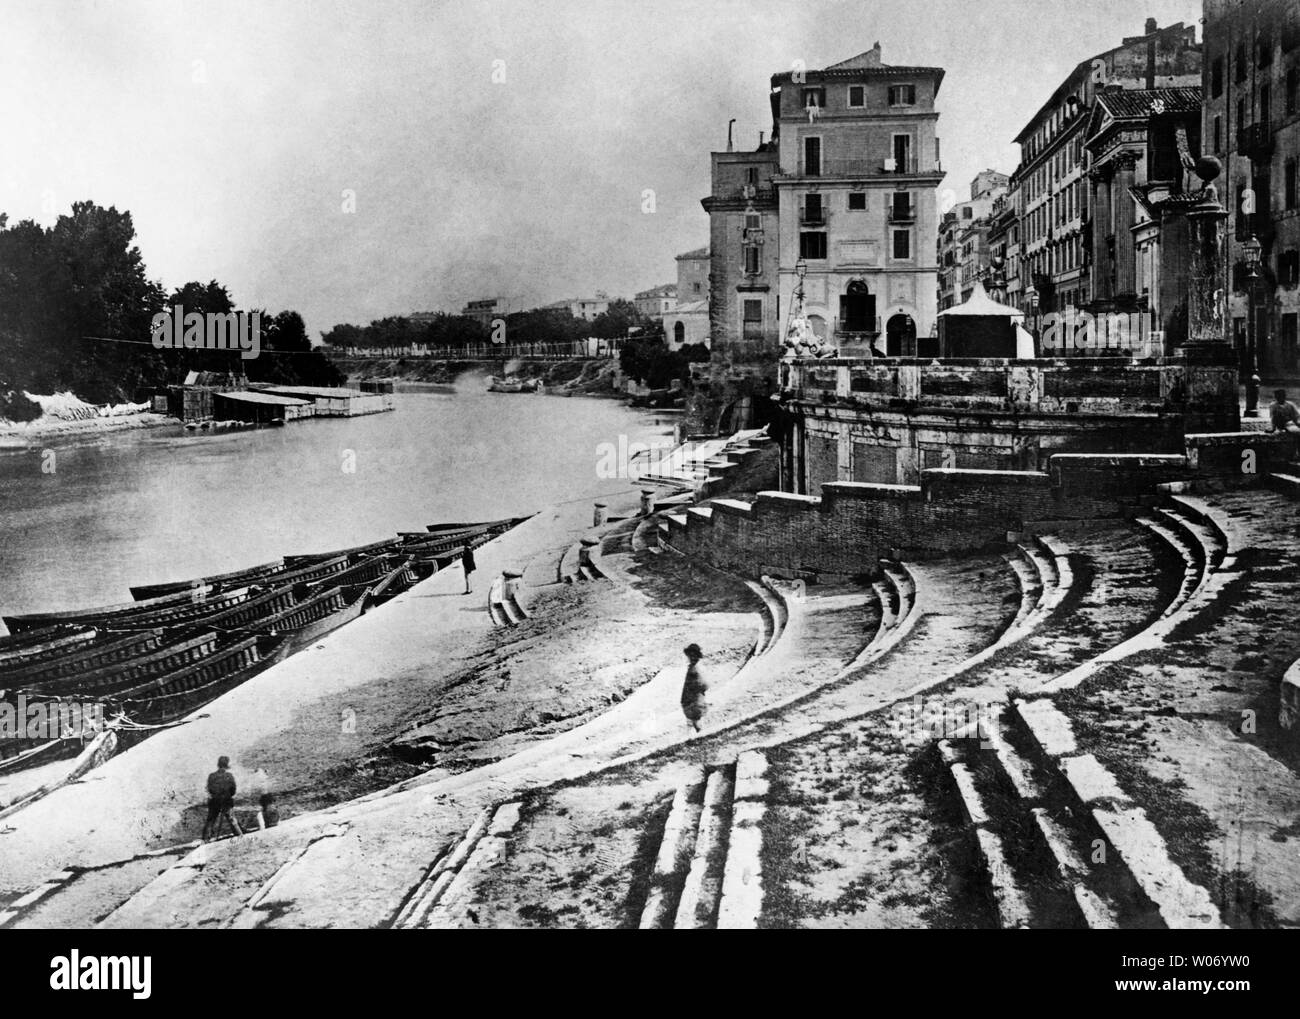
{"type": "Point", "coordinates": [693, 690]}
{"type": "Point", "coordinates": [1284, 414]}
{"type": "Point", "coordinates": [221, 799]}
{"type": "Point", "coordinates": [468, 565]}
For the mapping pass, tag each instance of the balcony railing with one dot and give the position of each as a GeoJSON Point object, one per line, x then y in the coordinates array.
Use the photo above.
{"type": "Point", "coordinates": [812, 217]}
{"type": "Point", "coordinates": [902, 213]}
{"type": "Point", "coordinates": [1255, 140]}
{"type": "Point", "coordinates": [861, 167]}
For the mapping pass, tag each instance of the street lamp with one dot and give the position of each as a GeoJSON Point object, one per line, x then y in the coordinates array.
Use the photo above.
{"type": "Point", "coordinates": [1251, 249]}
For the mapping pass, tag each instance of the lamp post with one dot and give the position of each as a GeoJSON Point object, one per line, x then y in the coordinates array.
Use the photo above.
{"type": "Point", "coordinates": [1031, 298]}
{"type": "Point", "coordinates": [800, 271]}
{"type": "Point", "coordinates": [1251, 249]}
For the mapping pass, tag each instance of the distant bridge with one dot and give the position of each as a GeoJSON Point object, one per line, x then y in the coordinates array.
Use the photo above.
{"type": "Point", "coordinates": [575, 350]}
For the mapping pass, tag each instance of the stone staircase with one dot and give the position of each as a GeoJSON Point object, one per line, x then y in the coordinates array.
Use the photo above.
{"type": "Point", "coordinates": [1060, 842]}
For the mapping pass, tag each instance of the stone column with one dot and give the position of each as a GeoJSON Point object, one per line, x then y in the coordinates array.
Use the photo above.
{"type": "Point", "coordinates": [599, 515]}
{"type": "Point", "coordinates": [1123, 218]}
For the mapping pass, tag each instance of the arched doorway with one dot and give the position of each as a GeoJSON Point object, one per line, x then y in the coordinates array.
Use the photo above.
{"type": "Point", "coordinates": [679, 333]}
{"type": "Point", "coordinates": [900, 336]}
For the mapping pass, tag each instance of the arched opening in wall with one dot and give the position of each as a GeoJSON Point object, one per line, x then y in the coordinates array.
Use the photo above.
{"type": "Point", "coordinates": [679, 333]}
{"type": "Point", "coordinates": [818, 325]}
{"type": "Point", "coordinates": [900, 336]}
{"type": "Point", "coordinates": [857, 308]}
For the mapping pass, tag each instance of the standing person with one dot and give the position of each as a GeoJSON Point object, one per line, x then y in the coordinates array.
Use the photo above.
{"type": "Point", "coordinates": [693, 703]}
{"type": "Point", "coordinates": [468, 565]}
{"type": "Point", "coordinates": [268, 814]}
{"type": "Point", "coordinates": [221, 799]}
{"type": "Point", "coordinates": [1283, 413]}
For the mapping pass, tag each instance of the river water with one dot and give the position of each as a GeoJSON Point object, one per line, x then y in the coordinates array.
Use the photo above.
{"type": "Point", "coordinates": [154, 505]}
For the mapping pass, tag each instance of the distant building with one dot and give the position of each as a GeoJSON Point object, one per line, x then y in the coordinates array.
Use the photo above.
{"type": "Point", "coordinates": [656, 301]}
{"type": "Point", "coordinates": [687, 322]}
{"type": "Point", "coordinates": [1057, 201]}
{"type": "Point", "coordinates": [1252, 125]}
{"type": "Point", "coordinates": [585, 308]}
{"type": "Point", "coordinates": [484, 311]}
{"type": "Point", "coordinates": [964, 253]}
{"type": "Point", "coordinates": [1003, 283]}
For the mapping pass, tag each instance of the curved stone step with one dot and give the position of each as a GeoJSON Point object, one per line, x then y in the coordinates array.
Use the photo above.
{"type": "Point", "coordinates": [698, 907]}
{"type": "Point", "coordinates": [676, 849]}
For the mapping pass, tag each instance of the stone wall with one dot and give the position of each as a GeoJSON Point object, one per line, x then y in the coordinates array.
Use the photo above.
{"type": "Point", "coordinates": [851, 525]}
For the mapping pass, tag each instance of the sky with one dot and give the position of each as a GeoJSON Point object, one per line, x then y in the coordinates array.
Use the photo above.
{"type": "Point", "coordinates": [371, 158]}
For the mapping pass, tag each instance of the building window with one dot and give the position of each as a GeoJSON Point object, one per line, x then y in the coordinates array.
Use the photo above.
{"type": "Point", "coordinates": [902, 244]}
{"type": "Point", "coordinates": [1265, 47]}
{"type": "Point", "coordinates": [812, 157]}
{"type": "Point", "coordinates": [902, 95]}
{"type": "Point", "coordinates": [814, 97]}
{"type": "Point", "coordinates": [1288, 268]}
{"type": "Point", "coordinates": [752, 328]}
{"type": "Point", "coordinates": [1265, 104]}
{"type": "Point", "coordinates": [857, 95]}
{"type": "Point", "coordinates": [813, 213]}
{"type": "Point", "coordinates": [1240, 63]}
{"type": "Point", "coordinates": [751, 260]}
{"type": "Point", "coordinates": [1216, 78]}
{"type": "Point", "coordinates": [1241, 113]}
{"type": "Point", "coordinates": [1218, 133]}
{"type": "Point", "coordinates": [1292, 90]}
{"type": "Point", "coordinates": [751, 175]}
{"type": "Point", "coordinates": [812, 245]}
{"type": "Point", "coordinates": [1289, 183]}
{"type": "Point", "coordinates": [753, 221]}
{"type": "Point", "coordinates": [857, 201]}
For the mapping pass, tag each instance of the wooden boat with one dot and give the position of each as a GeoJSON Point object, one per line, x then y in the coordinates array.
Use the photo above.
{"type": "Point", "coordinates": [109, 614]}
{"type": "Point", "coordinates": [497, 385]}
{"type": "Point", "coordinates": [217, 582]}
{"type": "Point", "coordinates": [318, 615]}
{"type": "Point", "coordinates": [123, 674]}
{"type": "Point", "coordinates": [20, 754]}
{"type": "Point", "coordinates": [401, 578]}
{"type": "Point", "coordinates": [98, 655]}
{"type": "Point", "coordinates": [354, 554]}
{"type": "Point", "coordinates": [58, 641]}
{"type": "Point", "coordinates": [498, 526]}
{"type": "Point", "coordinates": [174, 696]}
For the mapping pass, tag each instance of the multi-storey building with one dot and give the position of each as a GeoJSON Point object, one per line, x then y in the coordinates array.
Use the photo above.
{"type": "Point", "coordinates": [1003, 284]}
{"type": "Point", "coordinates": [483, 311]}
{"type": "Point", "coordinates": [964, 254]}
{"type": "Point", "coordinates": [1054, 242]}
{"type": "Point", "coordinates": [1252, 125]}
{"type": "Point", "coordinates": [858, 164]}
{"type": "Point", "coordinates": [653, 303]}
{"type": "Point", "coordinates": [585, 308]}
{"type": "Point", "coordinates": [1140, 143]}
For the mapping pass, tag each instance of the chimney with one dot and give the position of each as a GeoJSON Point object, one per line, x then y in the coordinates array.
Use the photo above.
{"type": "Point", "coordinates": [1151, 53]}
{"type": "Point", "coordinates": [1151, 26]}
{"type": "Point", "coordinates": [873, 56]}
{"type": "Point", "coordinates": [730, 147]}
{"type": "Point", "coordinates": [760, 140]}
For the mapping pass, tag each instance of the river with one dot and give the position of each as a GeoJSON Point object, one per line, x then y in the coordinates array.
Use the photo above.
{"type": "Point", "coordinates": [154, 505]}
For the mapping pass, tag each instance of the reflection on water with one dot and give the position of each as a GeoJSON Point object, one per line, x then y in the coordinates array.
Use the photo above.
{"type": "Point", "coordinates": [153, 505]}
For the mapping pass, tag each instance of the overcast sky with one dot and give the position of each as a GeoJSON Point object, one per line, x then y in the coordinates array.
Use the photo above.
{"type": "Point", "coordinates": [231, 131]}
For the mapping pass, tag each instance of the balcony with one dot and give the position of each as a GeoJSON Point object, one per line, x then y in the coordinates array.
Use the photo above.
{"type": "Point", "coordinates": [1255, 140]}
{"type": "Point", "coordinates": [812, 217]}
{"type": "Point", "coordinates": [902, 213]}
{"type": "Point", "coordinates": [863, 168]}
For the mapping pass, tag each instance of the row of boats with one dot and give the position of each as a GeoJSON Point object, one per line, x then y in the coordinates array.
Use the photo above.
{"type": "Point", "coordinates": [179, 645]}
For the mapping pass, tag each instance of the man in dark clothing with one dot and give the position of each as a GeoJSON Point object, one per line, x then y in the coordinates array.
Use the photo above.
{"type": "Point", "coordinates": [467, 563]}
{"type": "Point", "coordinates": [221, 799]}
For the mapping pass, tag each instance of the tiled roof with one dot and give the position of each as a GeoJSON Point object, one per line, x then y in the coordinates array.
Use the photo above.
{"type": "Point", "coordinates": [697, 253]}
{"type": "Point", "coordinates": [1139, 104]}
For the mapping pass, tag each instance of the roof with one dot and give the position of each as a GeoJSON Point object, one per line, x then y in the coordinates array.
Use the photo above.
{"type": "Point", "coordinates": [664, 290]}
{"type": "Point", "coordinates": [697, 253]}
{"type": "Point", "coordinates": [980, 303]}
{"type": "Point", "coordinates": [323, 391]}
{"type": "Point", "coordinates": [690, 308]}
{"type": "Point", "coordinates": [252, 397]}
{"type": "Point", "coordinates": [1141, 104]}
